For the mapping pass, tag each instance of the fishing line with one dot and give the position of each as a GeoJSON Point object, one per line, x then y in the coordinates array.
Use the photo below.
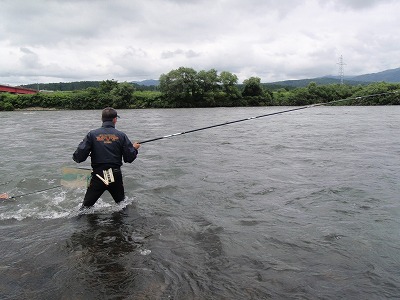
{"type": "Point", "coordinates": [7, 182]}
{"type": "Point", "coordinates": [263, 116]}
{"type": "Point", "coordinates": [36, 192]}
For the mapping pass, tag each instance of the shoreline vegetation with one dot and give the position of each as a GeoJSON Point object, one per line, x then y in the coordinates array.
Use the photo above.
{"type": "Point", "coordinates": [187, 88]}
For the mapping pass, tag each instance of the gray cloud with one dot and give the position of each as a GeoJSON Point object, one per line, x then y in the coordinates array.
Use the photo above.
{"type": "Point", "coordinates": [179, 52]}
{"type": "Point", "coordinates": [355, 4]}
{"type": "Point", "coordinates": [133, 40]}
{"type": "Point", "coordinates": [29, 60]}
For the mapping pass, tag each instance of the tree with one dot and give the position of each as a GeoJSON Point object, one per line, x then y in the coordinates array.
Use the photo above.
{"type": "Point", "coordinates": [378, 93]}
{"type": "Point", "coordinates": [5, 102]}
{"type": "Point", "coordinates": [252, 87]}
{"type": "Point", "coordinates": [107, 86]}
{"type": "Point", "coordinates": [122, 95]}
{"type": "Point", "coordinates": [179, 86]}
{"type": "Point", "coordinates": [299, 96]}
{"type": "Point", "coordinates": [254, 93]}
{"type": "Point", "coordinates": [229, 87]}
{"type": "Point", "coordinates": [207, 88]}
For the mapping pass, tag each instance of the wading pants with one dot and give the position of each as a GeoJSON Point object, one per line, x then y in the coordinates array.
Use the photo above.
{"type": "Point", "coordinates": [97, 187]}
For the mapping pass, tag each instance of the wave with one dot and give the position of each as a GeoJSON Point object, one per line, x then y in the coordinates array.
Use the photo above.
{"type": "Point", "coordinates": [62, 205]}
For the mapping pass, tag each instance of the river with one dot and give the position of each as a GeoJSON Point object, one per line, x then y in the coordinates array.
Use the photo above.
{"type": "Point", "coordinates": [301, 205]}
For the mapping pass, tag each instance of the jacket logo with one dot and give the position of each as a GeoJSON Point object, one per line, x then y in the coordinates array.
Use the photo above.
{"type": "Point", "coordinates": [107, 138]}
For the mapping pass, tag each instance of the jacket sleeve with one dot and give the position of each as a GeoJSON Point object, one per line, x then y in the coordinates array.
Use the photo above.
{"type": "Point", "coordinates": [129, 153]}
{"type": "Point", "coordinates": [83, 150]}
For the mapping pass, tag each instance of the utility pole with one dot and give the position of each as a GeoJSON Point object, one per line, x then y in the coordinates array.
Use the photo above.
{"type": "Point", "coordinates": [341, 69]}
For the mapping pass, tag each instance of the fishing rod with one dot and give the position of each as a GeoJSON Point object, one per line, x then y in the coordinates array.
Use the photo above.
{"type": "Point", "coordinates": [6, 196]}
{"type": "Point", "coordinates": [262, 116]}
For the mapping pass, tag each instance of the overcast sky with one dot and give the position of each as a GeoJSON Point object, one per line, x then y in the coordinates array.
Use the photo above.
{"type": "Point", "coordinates": [127, 40]}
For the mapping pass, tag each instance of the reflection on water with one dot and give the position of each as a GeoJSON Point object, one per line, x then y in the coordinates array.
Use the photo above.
{"type": "Point", "coordinates": [108, 254]}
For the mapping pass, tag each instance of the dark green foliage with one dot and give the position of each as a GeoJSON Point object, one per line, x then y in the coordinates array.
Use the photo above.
{"type": "Point", "coordinates": [369, 95]}
{"type": "Point", "coordinates": [6, 102]}
{"type": "Point", "coordinates": [314, 93]}
{"type": "Point", "coordinates": [107, 86]}
{"type": "Point", "coordinates": [186, 87]}
{"type": "Point", "coordinates": [252, 87]}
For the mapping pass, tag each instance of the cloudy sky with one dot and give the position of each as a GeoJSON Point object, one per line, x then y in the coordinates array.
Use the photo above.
{"type": "Point", "coordinates": [125, 40]}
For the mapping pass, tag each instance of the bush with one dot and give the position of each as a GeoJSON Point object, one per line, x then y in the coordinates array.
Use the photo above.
{"type": "Point", "coordinates": [6, 106]}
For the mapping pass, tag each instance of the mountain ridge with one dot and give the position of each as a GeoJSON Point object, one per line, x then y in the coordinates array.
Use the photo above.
{"type": "Point", "coordinates": [389, 76]}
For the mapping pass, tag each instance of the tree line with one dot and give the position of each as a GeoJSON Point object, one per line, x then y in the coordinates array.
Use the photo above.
{"type": "Point", "coordinates": [185, 87]}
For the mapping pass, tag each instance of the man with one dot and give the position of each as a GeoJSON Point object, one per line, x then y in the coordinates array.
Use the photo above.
{"type": "Point", "coordinates": [107, 147]}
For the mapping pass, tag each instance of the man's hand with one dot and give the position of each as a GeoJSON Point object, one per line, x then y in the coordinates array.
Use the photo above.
{"type": "Point", "coordinates": [136, 145]}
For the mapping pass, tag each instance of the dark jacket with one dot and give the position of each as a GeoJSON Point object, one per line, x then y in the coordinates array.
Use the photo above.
{"type": "Point", "coordinates": [107, 147]}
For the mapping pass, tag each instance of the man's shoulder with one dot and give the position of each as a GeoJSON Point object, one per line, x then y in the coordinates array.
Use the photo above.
{"type": "Point", "coordinates": [107, 130]}
{"type": "Point", "coordinates": [95, 131]}
{"type": "Point", "coordinates": [104, 129]}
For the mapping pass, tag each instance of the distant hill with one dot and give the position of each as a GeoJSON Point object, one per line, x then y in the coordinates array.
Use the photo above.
{"type": "Point", "coordinates": [63, 86]}
{"type": "Point", "coordinates": [392, 76]}
{"type": "Point", "coordinates": [304, 82]}
{"type": "Point", "coordinates": [81, 85]}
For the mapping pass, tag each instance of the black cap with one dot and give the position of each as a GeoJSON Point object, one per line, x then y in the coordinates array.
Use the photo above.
{"type": "Point", "coordinates": [108, 114]}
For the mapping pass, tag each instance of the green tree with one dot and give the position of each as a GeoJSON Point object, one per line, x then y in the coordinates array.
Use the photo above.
{"type": "Point", "coordinates": [379, 93]}
{"type": "Point", "coordinates": [281, 96]}
{"type": "Point", "coordinates": [6, 102]}
{"type": "Point", "coordinates": [231, 91]}
{"type": "Point", "coordinates": [299, 96]}
{"type": "Point", "coordinates": [252, 87]}
{"type": "Point", "coordinates": [207, 88]}
{"type": "Point", "coordinates": [122, 95]}
{"type": "Point", "coordinates": [179, 86]}
{"type": "Point", "coordinates": [255, 94]}
{"type": "Point", "coordinates": [107, 86]}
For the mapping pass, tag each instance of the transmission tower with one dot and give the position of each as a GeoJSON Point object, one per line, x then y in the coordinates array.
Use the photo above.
{"type": "Point", "coordinates": [341, 69]}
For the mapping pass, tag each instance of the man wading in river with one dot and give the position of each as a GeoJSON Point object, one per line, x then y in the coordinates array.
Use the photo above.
{"type": "Point", "coordinates": [107, 147]}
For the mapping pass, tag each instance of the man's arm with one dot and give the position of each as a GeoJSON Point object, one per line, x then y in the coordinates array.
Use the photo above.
{"type": "Point", "coordinates": [83, 150]}
{"type": "Point", "coordinates": [130, 151]}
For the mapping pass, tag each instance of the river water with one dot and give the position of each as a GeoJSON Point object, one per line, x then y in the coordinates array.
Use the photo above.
{"type": "Point", "coordinates": [301, 205]}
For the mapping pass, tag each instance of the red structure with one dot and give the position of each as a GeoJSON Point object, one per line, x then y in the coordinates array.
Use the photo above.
{"type": "Point", "coordinates": [16, 90]}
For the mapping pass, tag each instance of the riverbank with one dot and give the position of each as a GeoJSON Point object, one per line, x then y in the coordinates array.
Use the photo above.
{"type": "Point", "coordinates": [37, 109]}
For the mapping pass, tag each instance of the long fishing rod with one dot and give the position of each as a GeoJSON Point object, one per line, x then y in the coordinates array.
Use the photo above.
{"type": "Point", "coordinates": [262, 116]}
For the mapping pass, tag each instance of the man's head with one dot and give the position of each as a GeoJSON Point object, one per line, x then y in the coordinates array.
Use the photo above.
{"type": "Point", "coordinates": [109, 114]}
